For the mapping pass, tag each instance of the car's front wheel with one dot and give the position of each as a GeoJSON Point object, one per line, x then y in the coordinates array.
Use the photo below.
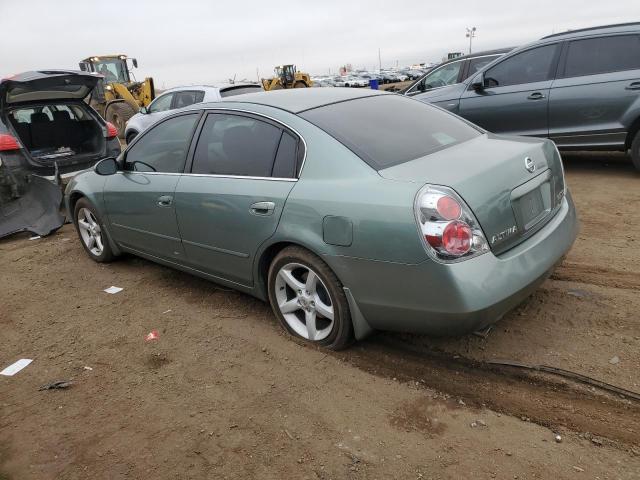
{"type": "Point", "coordinates": [308, 299]}
{"type": "Point", "coordinates": [635, 151]}
{"type": "Point", "coordinates": [92, 232]}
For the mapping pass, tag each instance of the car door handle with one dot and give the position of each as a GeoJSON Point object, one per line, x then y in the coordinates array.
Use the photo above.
{"type": "Point", "coordinates": [633, 86]}
{"type": "Point", "coordinates": [165, 201]}
{"type": "Point", "coordinates": [262, 208]}
{"type": "Point", "coordinates": [536, 96]}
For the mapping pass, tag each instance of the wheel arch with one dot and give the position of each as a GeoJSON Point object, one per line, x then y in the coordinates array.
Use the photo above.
{"type": "Point", "coordinates": [361, 327]}
{"type": "Point", "coordinates": [71, 203]}
{"type": "Point", "coordinates": [631, 133]}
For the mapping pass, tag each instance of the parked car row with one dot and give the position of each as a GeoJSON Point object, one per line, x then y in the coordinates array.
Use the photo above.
{"type": "Point", "coordinates": [362, 78]}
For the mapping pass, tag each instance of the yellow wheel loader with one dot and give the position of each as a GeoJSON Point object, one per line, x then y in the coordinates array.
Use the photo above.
{"type": "Point", "coordinates": [119, 96]}
{"type": "Point", "coordinates": [287, 76]}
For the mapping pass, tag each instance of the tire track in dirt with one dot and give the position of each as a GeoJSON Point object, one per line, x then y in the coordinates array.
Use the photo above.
{"type": "Point", "coordinates": [594, 275]}
{"type": "Point", "coordinates": [547, 402]}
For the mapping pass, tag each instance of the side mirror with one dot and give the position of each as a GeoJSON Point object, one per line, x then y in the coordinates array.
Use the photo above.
{"type": "Point", "coordinates": [84, 66]}
{"type": "Point", "coordinates": [143, 110]}
{"type": "Point", "coordinates": [135, 62]}
{"type": "Point", "coordinates": [478, 83]}
{"type": "Point", "coordinates": [106, 166]}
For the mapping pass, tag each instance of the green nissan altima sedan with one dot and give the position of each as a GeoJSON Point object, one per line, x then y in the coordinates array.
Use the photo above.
{"type": "Point", "coordinates": [348, 210]}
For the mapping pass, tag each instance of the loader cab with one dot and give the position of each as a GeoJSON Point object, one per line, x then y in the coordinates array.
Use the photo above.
{"type": "Point", "coordinates": [287, 74]}
{"type": "Point", "coordinates": [113, 68]}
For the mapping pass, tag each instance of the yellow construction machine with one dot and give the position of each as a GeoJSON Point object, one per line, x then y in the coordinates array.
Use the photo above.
{"type": "Point", "coordinates": [119, 96]}
{"type": "Point", "coordinates": [287, 76]}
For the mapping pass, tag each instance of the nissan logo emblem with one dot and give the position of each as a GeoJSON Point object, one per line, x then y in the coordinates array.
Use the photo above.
{"type": "Point", "coordinates": [529, 165]}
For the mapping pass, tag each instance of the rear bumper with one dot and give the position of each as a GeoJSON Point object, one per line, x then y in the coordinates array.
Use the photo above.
{"type": "Point", "coordinates": [458, 298]}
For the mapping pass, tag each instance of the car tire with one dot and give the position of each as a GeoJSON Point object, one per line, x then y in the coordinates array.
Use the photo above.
{"type": "Point", "coordinates": [296, 299]}
{"type": "Point", "coordinates": [119, 114]}
{"type": "Point", "coordinates": [635, 151]}
{"type": "Point", "coordinates": [91, 231]}
{"type": "Point", "coordinates": [131, 136]}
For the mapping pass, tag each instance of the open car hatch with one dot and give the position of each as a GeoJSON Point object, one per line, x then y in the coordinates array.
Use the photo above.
{"type": "Point", "coordinates": [46, 85]}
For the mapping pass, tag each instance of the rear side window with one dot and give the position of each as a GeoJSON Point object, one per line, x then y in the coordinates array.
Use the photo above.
{"type": "Point", "coordinates": [236, 145]}
{"type": "Point", "coordinates": [387, 130]}
{"type": "Point", "coordinates": [184, 99]}
{"type": "Point", "coordinates": [285, 163]}
{"type": "Point", "coordinates": [164, 148]}
{"type": "Point", "coordinates": [602, 55]}
{"type": "Point", "coordinates": [531, 66]}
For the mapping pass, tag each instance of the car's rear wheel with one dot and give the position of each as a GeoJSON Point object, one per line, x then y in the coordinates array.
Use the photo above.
{"type": "Point", "coordinates": [635, 151]}
{"type": "Point", "coordinates": [92, 232]}
{"type": "Point", "coordinates": [119, 114]}
{"type": "Point", "coordinates": [308, 299]}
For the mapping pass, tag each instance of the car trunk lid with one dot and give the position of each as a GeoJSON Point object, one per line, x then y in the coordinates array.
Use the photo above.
{"type": "Point", "coordinates": [490, 173]}
{"type": "Point", "coordinates": [46, 85]}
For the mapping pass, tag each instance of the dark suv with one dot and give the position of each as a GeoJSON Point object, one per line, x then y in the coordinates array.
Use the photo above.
{"type": "Point", "coordinates": [454, 71]}
{"type": "Point", "coordinates": [579, 88]}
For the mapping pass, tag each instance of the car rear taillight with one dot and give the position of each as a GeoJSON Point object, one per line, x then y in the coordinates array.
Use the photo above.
{"type": "Point", "coordinates": [8, 143]}
{"type": "Point", "coordinates": [112, 131]}
{"type": "Point", "coordinates": [449, 230]}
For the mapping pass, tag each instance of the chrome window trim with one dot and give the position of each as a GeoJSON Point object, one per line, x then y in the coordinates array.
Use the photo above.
{"type": "Point", "coordinates": [214, 109]}
{"type": "Point", "coordinates": [173, 174]}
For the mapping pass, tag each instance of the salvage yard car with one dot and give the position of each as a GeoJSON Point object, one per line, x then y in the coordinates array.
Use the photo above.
{"type": "Point", "coordinates": [180, 97]}
{"type": "Point", "coordinates": [46, 129]}
{"type": "Point", "coordinates": [348, 210]}
{"type": "Point", "coordinates": [579, 88]}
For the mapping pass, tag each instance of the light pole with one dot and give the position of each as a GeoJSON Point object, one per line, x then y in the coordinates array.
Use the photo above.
{"type": "Point", "coordinates": [471, 33]}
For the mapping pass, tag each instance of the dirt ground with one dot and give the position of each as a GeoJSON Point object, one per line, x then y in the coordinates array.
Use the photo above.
{"type": "Point", "coordinates": [224, 393]}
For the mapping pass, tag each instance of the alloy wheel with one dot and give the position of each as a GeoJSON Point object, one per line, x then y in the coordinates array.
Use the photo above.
{"type": "Point", "coordinates": [90, 231]}
{"type": "Point", "coordinates": [304, 301]}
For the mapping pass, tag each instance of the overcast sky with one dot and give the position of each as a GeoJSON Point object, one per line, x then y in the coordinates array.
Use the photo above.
{"type": "Point", "coordinates": [199, 41]}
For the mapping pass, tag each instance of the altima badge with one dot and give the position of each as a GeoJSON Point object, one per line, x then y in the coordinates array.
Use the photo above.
{"type": "Point", "coordinates": [529, 165]}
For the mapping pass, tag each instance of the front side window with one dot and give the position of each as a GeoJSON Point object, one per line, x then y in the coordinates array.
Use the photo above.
{"type": "Point", "coordinates": [164, 148]}
{"type": "Point", "coordinates": [161, 104]}
{"type": "Point", "coordinates": [443, 76]}
{"type": "Point", "coordinates": [531, 66]}
{"type": "Point", "coordinates": [475, 64]}
{"type": "Point", "coordinates": [237, 145]}
{"type": "Point", "coordinates": [603, 54]}
{"type": "Point", "coordinates": [387, 130]}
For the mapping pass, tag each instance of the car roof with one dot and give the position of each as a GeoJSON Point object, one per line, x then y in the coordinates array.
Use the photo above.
{"type": "Point", "coordinates": [297, 100]}
{"type": "Point", "coordinates": [484, 53]}
{"type": "Point", "coordinates": [582, 32]}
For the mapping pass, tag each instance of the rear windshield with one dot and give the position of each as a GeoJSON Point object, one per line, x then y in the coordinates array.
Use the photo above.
{"type": "Point", "coordinates": [387, 130]}
{"type": "Point", "coordinates": [229, 92]}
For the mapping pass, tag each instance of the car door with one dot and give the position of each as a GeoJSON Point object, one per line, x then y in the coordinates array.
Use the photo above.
{"type": "Point", "coordinates": [598, 83]}
{"type": "Point", "coordinates": [242, 171]}
{"type": "Point", "coordinates": [139, 200]}
{"type": "Point", "coordinates": [159, 108]}
{"type": "Point", "coordinates": [515, 94]}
